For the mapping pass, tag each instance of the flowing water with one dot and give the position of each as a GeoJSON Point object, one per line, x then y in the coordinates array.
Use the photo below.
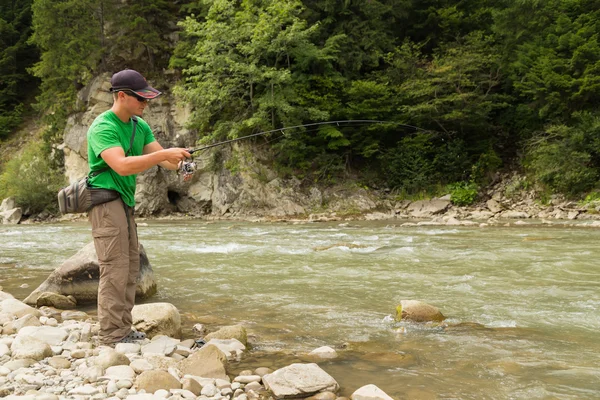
{"type": "Point", "coordinates": [523, 303]}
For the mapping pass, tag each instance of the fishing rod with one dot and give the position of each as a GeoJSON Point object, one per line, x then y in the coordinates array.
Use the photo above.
{"type": "Point", "coordinates": [189, 167]}
{"type": "Point", "coordinates": [346, 121]}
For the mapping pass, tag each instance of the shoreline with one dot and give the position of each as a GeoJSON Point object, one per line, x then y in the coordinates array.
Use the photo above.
{"type": "Point", "coordinates": [51, 354]}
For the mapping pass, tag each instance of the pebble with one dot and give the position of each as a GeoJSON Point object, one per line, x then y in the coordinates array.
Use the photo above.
{"type": "Point", "coordinates": [75, 368]}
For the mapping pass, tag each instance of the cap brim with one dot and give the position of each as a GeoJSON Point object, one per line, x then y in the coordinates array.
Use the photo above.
{"type": "Point", "coordinates": [148, 93]}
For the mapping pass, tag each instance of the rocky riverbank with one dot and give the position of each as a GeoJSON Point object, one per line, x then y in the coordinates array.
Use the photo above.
{"type": "Point", "coordinates": [50, 354]}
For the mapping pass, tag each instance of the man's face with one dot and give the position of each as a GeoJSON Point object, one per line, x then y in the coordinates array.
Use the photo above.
{"type": "Point", "coordinates": [133, 103]}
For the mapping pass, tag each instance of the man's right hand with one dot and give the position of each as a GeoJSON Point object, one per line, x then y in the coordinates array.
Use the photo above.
{"type": "Point", "coordinates": [175, 154]}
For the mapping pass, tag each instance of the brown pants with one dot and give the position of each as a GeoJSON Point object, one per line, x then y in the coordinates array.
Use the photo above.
{"type": "Point", "coordinates": [116, 245]}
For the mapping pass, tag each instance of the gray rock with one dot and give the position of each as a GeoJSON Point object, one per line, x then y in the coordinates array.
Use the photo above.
{"type": "Point", "coordinates": [160, 345]}
{"type": "Point", "coordinates": [323, 396]}
{"type": "Point", "coordinates": [299, 380]}
{"type": "Point", "coordinates": [370, 392]}
{"type": "Point", "coordinates": [50, 335]}
{"type": "Point", "coordinates": [247, 378]}
{"type": "Point", "coordinates": [324, 352]}
{"type": "Point", "coordinates": [27, 347]}
{"type": "Point", "coordinates": [157, 319]}
{"type": "Point", "coordinates": [230, 332]}
{"type": "Point", "coordinates": [8, 204]}
{"type": "Point", "coordinates": [55, 300]}
{"type": "Point", "coordinates": [417, 311]}
{"type": "Point", "coordinates": [128, 348]}
{"type": "Point", "coordinates": [209, 390]}
{"type": "Point", "coordinates": [119, 372]}
{"type": "Point", "coordinates": [4, 350]}
{"type": "Point", "coordinates": [514, 215]}
{"type": "Point", "coordinates": [208, 362]}
{"type": "Point", "coordinates": [262, 371]}
{"type": "Point", "coordinates": [78, 276]}
{"type": "Point", "coordinates": [192, 385]}
{"type": "Point", "coordinates": [74, 315]}
{"type": "Point", "coordinates": [4, 295]}
{"type": "Point", "coordinates": [232, 348]}
{"type": "Point", "coordinates": [59, 363]}
{"type": "Point", "coordinates": [151, 381]}
{"type": "Point", "coordinates": [427, 208]}
{"type": "Point", "coordinates": [141, 365]}
{"type": "Point", "coordinates": [110, 358]}
{"type": "Point", "coordinates": [15, 308]}
{"type": "Point", "coordinates": [494, 206]}
{"type": "Point", "coordinates": [24, 321]}
{"type": "Point", "coordinates": [11, 217]}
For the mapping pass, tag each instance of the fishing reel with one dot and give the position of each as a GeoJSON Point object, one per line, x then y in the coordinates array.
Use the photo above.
{"type": "Point", "coordinates": [187, 169]}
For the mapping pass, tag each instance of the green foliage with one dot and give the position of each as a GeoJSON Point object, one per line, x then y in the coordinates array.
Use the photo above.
{"type": "Point", "coordinates": [9, 120]}
{"type": "Point", "coordinates": [567, 158]}
{"type": "Point", "coordinates": [137, 35]}
{"type": "Point", "coordinates": [410, 166]}
{"type": "Point", "coordinates": [15, 57]}
{"type": "Point", "coordinates": [68, 33]}
{"type": "Point", "coordinates": [30, 179]}
{"type": "Point", "coordinates": [484, 168]}
{"type": "Point", "coordinates": [463, 193]}
{"type": "Point", "coordinates": [481, 78]}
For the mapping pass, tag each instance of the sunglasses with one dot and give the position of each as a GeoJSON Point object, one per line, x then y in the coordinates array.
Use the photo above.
{"type": "Point", "coordinates": [131, 93]}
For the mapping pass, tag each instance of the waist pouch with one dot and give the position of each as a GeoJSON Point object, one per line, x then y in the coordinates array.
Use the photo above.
{"type": "Point", "coordinates": [78, 197]}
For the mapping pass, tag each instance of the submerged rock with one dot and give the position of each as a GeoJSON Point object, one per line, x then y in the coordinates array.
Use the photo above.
{"type": "Point", "coordinates": [230, 332]}
{"type": "Point", "coordinates": [78, 276]}
{"type": "Point", "coordinates": [417, 311]}
{"type": "Point", "coordinates": [56, 300]}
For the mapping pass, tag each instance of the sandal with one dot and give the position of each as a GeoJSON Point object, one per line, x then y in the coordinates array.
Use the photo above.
{"type": "Point", "coordinates": [133, 337]}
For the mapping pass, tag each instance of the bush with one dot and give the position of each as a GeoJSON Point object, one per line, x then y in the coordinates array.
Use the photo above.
{"type": "Point", "coordinates": [9, 120]}
{"type": "Point", "coordinates": [409, 166]}
{"type": "Point", "coordinates": [566, 159]}
{"type": "Point", "coordinates": [463, 193]}
{"type": "Point", "coordinates": [29, 178]}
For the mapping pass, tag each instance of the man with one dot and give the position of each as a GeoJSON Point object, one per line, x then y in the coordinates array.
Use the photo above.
{"type": "Point", "coordinates": [113, 225]}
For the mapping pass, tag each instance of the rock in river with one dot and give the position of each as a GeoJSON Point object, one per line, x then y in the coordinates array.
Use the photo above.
{"type": "Point", "coordinates": [78, 276]}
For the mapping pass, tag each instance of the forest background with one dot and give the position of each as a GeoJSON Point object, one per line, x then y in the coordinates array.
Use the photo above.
{"type": "Point", "coordinates": [492, 85]}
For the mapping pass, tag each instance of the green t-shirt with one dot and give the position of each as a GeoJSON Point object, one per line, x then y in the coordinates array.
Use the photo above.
{"type": "Point", "coordinates": [109, 131]}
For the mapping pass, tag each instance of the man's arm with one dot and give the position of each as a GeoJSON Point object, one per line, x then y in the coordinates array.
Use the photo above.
{"type": "Point", "coordinates": [155, 147]}
{"type": "Point", "coordinates": [124, 166]}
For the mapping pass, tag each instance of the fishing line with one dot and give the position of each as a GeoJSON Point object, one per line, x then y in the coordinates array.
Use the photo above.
{"type": "Point", "coordinates": [187, 168]}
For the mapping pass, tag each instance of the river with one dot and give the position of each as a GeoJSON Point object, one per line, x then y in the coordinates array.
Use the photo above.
{"type": "Point", "coordinates": [523, 303]}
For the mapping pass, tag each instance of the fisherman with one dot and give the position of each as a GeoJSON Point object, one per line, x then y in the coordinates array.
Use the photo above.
{"type": "Point", "coordinates": [120, 139]}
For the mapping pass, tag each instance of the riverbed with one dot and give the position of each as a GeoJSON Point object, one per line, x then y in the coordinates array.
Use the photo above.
{"type": "Point", "coordinates": [522, 303]}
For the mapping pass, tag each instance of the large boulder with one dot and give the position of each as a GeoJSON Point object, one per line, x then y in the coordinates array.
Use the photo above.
{"type": "Point", "coordinates": [157, 319]}
{"type": "Point", "coordinates": [12, 216]}
{"type": "Point", "coordinates": [78, 276]}
{"type": "Point", "coordinates": [299, 380]}
{"type": "Point", "coordinates": [8, 204]}
{"type": "Point", "coordinates": [427, 208]}
{"type": "Point", "coordinates": [4, 295]}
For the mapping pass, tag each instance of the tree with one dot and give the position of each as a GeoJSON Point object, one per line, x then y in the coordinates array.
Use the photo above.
{"type": "Point", "coordinates": [67, 32]}
{"type": "Point", "coordinates": [252, 66]}
{"type": "Point", "coordinates": [15, 57]}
